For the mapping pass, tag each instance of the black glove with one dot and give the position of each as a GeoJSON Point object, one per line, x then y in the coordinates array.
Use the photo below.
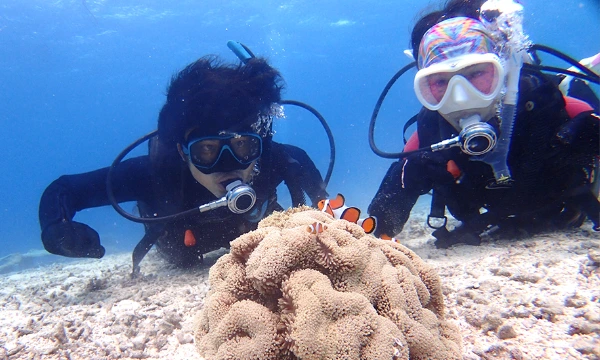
{"type": "Point", "coordinates": [72, 239]}
{"type": "Point", "coordinates": [582, 133]}
{"type": "Point", "coordinates": [461, 235]}
{"type": "Point", "coordinates": [423, 170]}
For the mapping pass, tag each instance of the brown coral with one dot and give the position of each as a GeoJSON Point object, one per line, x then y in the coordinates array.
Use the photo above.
{"type": "Point", "coordinates": [284, 292]}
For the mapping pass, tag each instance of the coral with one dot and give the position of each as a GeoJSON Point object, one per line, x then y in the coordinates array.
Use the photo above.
{"type": "Point", "coordinates": [285, 292]}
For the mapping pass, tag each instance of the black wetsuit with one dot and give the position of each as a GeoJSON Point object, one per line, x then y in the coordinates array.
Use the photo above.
{"type": "Point", "coordinates": [170, 189]}
{"type": "Point", "coordinates": [551, 173]}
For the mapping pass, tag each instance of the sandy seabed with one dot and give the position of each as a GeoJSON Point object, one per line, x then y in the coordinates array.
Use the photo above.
{"type": "Point", "coordinates": [535, 298]}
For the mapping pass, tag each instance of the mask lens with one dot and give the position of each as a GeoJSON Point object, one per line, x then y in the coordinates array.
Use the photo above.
{"type": "Point", "coordinates": [245, 148]}
{"type": "Point", "coordinates": [482, 76]}
{"type": "Point", "coordinates": [434, 87]}
{"type": "Point", "coordinates": [206, 152]}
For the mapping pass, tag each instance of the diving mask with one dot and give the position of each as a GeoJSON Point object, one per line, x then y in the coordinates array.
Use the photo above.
{"type": "Point", "coordinates": [224, 152]}
{"type": "Point", "coordinates": [470, 81]}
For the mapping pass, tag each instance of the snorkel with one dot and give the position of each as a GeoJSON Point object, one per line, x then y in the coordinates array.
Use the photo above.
{"type": "Point", "coordinates": [504, 19]}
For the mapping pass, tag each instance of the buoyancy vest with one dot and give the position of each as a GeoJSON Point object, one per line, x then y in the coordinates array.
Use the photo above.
{"type": "Point", "coordinates": [573, 106]}
{"type": "Point", "coordinates": [428, 131]}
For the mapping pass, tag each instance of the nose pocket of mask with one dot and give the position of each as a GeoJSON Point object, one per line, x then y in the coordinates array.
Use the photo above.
{"type": "Point", "coordinates": [459, 94]}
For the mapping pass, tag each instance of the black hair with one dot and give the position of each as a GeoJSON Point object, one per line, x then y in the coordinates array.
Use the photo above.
{"type": "Point", "coordinates": [452, 8]}
{"type": "Point", "coordinates": [212, 96]}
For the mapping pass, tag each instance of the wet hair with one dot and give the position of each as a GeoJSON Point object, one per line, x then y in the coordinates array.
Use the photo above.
{"type": "Point", "coordinates": [210, 96]}
{"type": "Point", "coordinates": [452, 8]}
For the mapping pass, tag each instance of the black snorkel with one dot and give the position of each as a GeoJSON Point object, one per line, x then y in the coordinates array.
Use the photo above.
{"type": "Point", "coordinates": [240, 198]}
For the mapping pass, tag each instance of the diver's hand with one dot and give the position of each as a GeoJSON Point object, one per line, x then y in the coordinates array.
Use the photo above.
{"type": "Point", "coordinates": [72, 239]}
{"type": "Point", "coordinates": [582, 133]}
{"type": "Point", "coordinates": [423, 170]}
{"type": "Point", "coordinates": [461, 235]}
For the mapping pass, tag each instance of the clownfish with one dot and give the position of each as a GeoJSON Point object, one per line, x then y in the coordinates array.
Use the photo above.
{"type": "Point", "coordinates": [316, 228]}
{"type": "Point", "coordinates": [337, 209]}
{"type": "Point", "coordinates": [387, 237]}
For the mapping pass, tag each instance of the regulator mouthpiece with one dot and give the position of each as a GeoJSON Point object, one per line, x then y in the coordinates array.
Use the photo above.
{"type": "Point", "coordinates": [240, 198]}
{"type": "Point", "coordinates": [475, 138]}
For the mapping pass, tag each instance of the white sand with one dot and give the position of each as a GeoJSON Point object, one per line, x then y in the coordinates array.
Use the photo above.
{"type": "Point", "coordinates": [537, 298]}
{"type": "Point", "coordinates": [529, 299]}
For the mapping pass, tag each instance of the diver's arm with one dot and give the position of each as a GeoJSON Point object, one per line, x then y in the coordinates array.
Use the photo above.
{"type": "Point", "coordinates": [300, 169]}
{"type": "Point", "coordinates": [392, 203]}
{"type": "Point", "coordinates": [582, 133]}
{"type": "Point", "coordinates": [72, 193]}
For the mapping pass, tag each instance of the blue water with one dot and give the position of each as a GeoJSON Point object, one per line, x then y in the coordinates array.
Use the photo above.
{"type": "Point", "coordinates": [82, 79]}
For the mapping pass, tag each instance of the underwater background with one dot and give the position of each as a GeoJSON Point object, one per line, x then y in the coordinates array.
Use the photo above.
{"type": "Point", "coordinates": [82, 79]}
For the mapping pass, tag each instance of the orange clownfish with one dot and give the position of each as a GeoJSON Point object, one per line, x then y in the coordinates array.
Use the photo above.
{"type": "Point", "coordinates": [387, 237]}
{"type": "Point", "coordinates": [337, 209]}
{"type": "Point", "coordinates": [189, 239]}
{"type": "Point", "coordinates": [316, 228]}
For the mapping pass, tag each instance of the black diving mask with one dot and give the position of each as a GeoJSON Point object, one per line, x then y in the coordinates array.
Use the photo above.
{"type": "Point", "coordinates": [224, 152]}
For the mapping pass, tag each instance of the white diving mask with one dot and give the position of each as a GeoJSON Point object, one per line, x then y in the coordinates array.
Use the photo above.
{"type": "Point", "coordinates": [465, 82]}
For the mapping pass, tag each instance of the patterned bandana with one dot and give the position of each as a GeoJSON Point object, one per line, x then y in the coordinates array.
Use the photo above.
{"type": "Point", "coordinates": [451, 38]}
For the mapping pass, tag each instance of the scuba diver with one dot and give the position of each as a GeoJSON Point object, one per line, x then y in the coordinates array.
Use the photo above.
{"type": "Point", "coordinates": [497, 143]}
{"type": "Point", "coordinates": [210, 175]}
